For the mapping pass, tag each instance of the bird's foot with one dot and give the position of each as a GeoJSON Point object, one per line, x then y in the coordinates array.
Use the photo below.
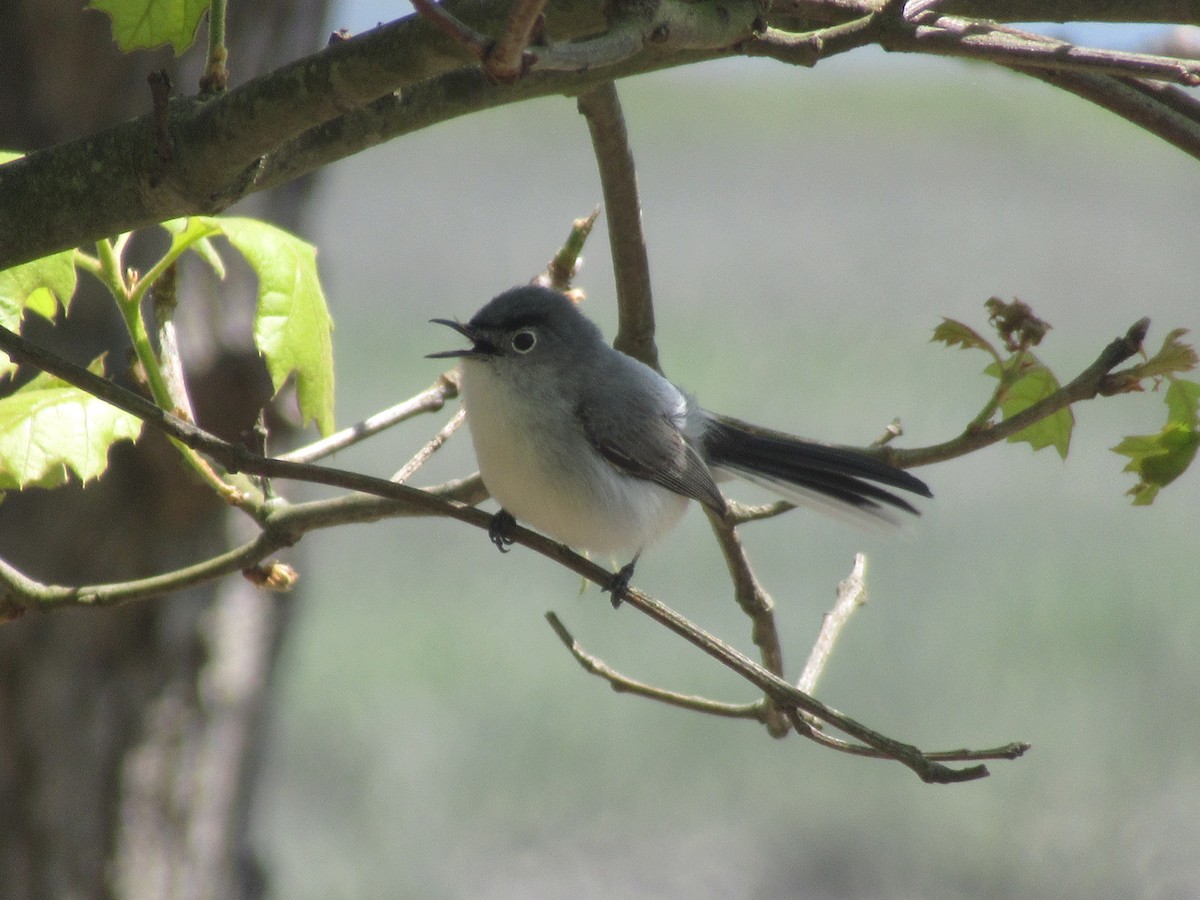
{"type": "Point", "coordinates": [618, 587]}
{"type": "Point", "coordinates": [500, 531]}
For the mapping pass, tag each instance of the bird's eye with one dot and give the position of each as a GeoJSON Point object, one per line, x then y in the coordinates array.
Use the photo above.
{"type": "Point", "coordinates": [523, 341]}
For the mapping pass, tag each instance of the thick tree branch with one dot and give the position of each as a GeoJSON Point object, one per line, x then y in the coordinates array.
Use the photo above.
{"type": "Point", "coordinates": [970, 39]}
{"type": "Point", "coordinates": [219, 146]}
{"type": "Point", "coordinates": [198, 155]}
{"type": "Point", "coordinates": [1170, 12]}
{"type": "Point", "coordinates": [1160, 109]}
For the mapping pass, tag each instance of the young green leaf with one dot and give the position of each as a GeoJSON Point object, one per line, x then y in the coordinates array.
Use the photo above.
{"type": "Point", "coordinates": [1034, 383]}
{"type": "Point", "coordinates": [292, 327]}
{"type": "Point", "coordinates": [145, 24]}
{"type": "Point", "coordinates": [1174, 356]}
{"type": "Point", "coordinates": [1158, 459]}
{"type": "Point", "coordinates": [41, 286]}
{"type": "Point", "coordinates": [953, 333]}
{"type": "Point", "coordinates": [193, 234]}
{"type": "Point", "coordinates": [48, 427]}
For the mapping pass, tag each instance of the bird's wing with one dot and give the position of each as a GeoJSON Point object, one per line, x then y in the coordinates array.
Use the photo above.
{"type": "Point", "coordinates": [640, 439]}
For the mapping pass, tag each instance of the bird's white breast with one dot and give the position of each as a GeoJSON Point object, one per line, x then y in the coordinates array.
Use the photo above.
{"type": "Point", "coordinates": [552, 478]}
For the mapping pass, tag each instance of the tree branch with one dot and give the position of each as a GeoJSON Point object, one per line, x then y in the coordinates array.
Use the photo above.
{"type": "Point", "coordinates": [1170, 12]}
{"type": "Point", "coordinates": [971, 39]}
{"type": "Point", "coordinates": [507, 59]}
{"type": "Point", "coordinates": [758, 606]}
{"type": "Point", "coordinates": [631, 264]}
{"type": "Point", "coordinates": [756, 711]}
{"type": "Point", "coordinates": [1096, 379]}
{"type": "Point", "coordinates": [431, 399]}
{"type": "Point", "coordinates": [851, 594]}
{"type": "Point", "coordinates": [431, 446]}
{"type": "Point", "coordinates": [623, 684]}
{"type": "Point", "coordinates": [198, 155]}
{"type": "Point", "coordinates": [285, 525]}
{"type": "Point", "coordinates": [560, 271]}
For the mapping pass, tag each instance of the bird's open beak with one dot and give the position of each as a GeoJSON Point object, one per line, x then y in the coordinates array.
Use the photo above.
{"type": "Point", "coordinates": [480, 346]}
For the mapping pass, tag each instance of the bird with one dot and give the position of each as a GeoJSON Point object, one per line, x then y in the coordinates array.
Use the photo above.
{"type": "Point", "coordinates": [602, 453]}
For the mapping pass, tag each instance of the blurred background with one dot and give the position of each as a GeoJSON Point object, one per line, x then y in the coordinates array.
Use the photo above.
{"type": "Point", "coordinates": [807, 230]}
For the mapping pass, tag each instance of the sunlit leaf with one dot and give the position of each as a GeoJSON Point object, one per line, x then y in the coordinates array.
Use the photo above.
{"type": "Point", "coordinates": [145, 24]}
{"type": "Point", "coordinates": [193, 234]}
{"type": "Point", "coordinates": [42, 286]}
{"type": "Point", "coordinates": [292, 327]}
{"type": "Point", "coordinates": [48, 428]}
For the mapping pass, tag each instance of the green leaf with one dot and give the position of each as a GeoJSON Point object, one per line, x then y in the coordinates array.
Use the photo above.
{"type": "Point", "coordinates": [1158, 459]}
{"type": "Point", "coordinates": [193, 234]}
{"type": "Point", "coordinates": [1183, 402]}
{"type": "Point", "coordinates": [1174, 356]}
{"type": "Point", "coordinates": [41, 286]}
{"type": "Point", "coordinates": [1034, 383]}
{"type": "Point", "coordinates": [292, 327]}
{"type": "Point", "coordinates": [953, 333]}
{"type": "Point", "coordinates": [48, 427]}
{"type": "Point", "coordinates": [145, 24]}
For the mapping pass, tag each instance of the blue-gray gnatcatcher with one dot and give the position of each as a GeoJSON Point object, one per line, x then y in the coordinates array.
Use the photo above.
{"type": "Point", "coordinates": [602, 453]}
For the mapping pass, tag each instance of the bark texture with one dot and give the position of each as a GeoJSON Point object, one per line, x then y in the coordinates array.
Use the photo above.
{"type": "Point", "coordinates": [129, 738]}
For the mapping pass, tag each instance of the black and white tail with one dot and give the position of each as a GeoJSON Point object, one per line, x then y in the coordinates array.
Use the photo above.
{"type": "Point", "coordinates": [838, 480]}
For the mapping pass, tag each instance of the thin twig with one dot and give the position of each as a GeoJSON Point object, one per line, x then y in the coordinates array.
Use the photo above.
{"type": "Point", "coordinates": [631, 264]}
{"type": "Point", "coordinates": [890, 433]}
{"type": "Point", "coordinates": [755, 711]}
{"type": "Point", "coordinates": [507, 59]}
{"type": "Point", "coordinates": [758, 606]}
{"type": "Point", "coordinates": [468, 38]}
{"type": "Point", "coordinates": [626, 685]}
{"type": "Point", "coordinates": [216, 75]}
{"type": "Point", "coordinates": [808, 48]}
{"type": "Point", "coordinates": [431, 446]}
{"type": "Point", "coordinates": [431, 399]}
{"type": "Point", "coordinates": [283, 526]}
{"type": "Point", "coordinates": [164, 300]}
{"type": "Point", "coordinates": [560, 271]}
{"type": "Point", "coordinates": [740, 513]}
{"type": "Point", "coordinates": [238, 458]}
{"type": "Point", "coordinates": [792, 699]}
{"type": "Point", "coordinates": [851, 594]}
{"type": "Point", "coordinates": [1096, 379]}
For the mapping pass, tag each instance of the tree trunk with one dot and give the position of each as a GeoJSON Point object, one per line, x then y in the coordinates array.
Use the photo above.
{"type": "Point", "coordinates": [129, 738]}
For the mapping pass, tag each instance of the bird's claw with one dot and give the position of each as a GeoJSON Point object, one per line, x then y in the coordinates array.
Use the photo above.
{"type": "Point", "coordinates": [500, 530]}
{"type": "Point", "coordinates": [618, 586]}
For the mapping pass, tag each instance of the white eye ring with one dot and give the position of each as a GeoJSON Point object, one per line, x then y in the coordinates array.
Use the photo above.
{"type": "Point", "coordinates": [524, 341]}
